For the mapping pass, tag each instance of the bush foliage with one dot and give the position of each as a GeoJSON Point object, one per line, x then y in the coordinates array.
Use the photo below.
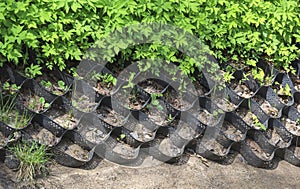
{"type": "Point", "coordinates": [50, 32]}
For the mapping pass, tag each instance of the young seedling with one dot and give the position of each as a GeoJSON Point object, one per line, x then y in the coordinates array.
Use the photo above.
{"type": "Point", "coordinates": [46, 84]}
{"type": "Point", "coordinates": [33, 158]}
{"type": "Point", "coordinates": [106, 79]}
{"type": "Point", "coordinates": [62, 86]}
{"type": "Point", "coordinates": [261, 77]}
{"type": "Point", "coordinates": [70, 114]}
{"type": "Point", "coordinates": [10, 88]}
{"type": "Point", "coordinates": [285, 91]}
{"type": "Point", "coordinates": [121, 137]}
{"type": "Point", "coordinates": [269, 79]}
{"type": "Point", "coordinates": [32, 103]}
{"type": "Point", "coordinates": [155, 102]}
{"type": "Point", "coordinates": [36, 103]}
{"type": "Point", "coordinates": [170, 118]}
{"type": "Point", "coordinates": [228, 75]}
{"type": "Point", "coordinates": [109, 80]}
{"type": "Point", "coordinates": [244, 79]}
{"type": "Point", "coordinates": [73, 72]}
{"type": "Point", "coordinates": [257, 123]}
{"type": "Point", "coordinates": [258, 74]}
{"type": "Point", "coordinates": [216, 113]}
{"type": "Point", "coordinates": [43, 104]}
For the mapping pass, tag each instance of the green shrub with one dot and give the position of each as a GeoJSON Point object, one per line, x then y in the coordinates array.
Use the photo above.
{"type": "Point", "coordinates": [55, 31]}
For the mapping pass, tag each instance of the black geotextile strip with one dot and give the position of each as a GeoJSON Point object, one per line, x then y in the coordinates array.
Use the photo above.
{"type": "Point", "coordinates": [106, 149]}
{"type": "Point", "coordinates": [44, 131]}
{"type": "Point", "coordinates": [298, 69]}
{"type": "Point", "coordinates": [29, 89]}
{"type": "Point", "coordinates": [268, 94]}
{"type": "Point", "coordinates": [251, 106]}
{"type": "Point", "coordinates": [206, 104]}
{"type": "Point", "coordinates": [149, 81]}
{"type": "Point", "coordinates": [71, 138]}
{"type": "Point", "coordinates": [232, 96]}
{"type": "Point", "coordinates": [21, 109]}
{"type": "Point", "coordinates": [282, 135]}
{"type": "Point", "coordinates": [186, 98]}
{"type": "Point", "coordinates": [175, 137]}
{"type": "Point", "coordinates": [254, 160]}
{"type": "Point", "coordinates": [138, 149]}
{"type": "Point", "coordinates": [94, 82]}
{"type": "Point", "coordinates": [12, 75]}
{"type": "Point", "coordinates": [291, 155]}
{"type": "Point", "coordinates": [125, 74]}
{"type": "Point", "coordinates": [268, 69]}
{"type": "Point", "coordinates": [249, 82]}
{"type": "Point", "coordinates": [2, 154]}
{"type": "Point", "coordinates": [197, 127]}
{"type": "Point", "coordinates": [85, 67]}
{"type": "Point", "coordinates": [223, 159]}
{"type": "Point", "coordinates": [50, 125]}
{"type": "Point", "coordinates": [8, 135]}
{"type": "Point", "coordinates": [107, 105]}
{"type": "Point", "coordinates": [292, 114]}
{"type": "Point", "coordinates": [252, 84]}
{"type": "Point", "coordinates": [272, 158]}
{"type": "Point", "coordinates": [83, 91]}
{"type": "Point", "coordinates": [6, 130]}
{"type": "Point", "coordinates": [93, 129]}
{"type": "Point", "coordinates": [296, 98]}
{"type": "Point", "coordinates": [238, 123]}
{"type": "Point", "coordinates": [202, 79]}
{"type": "Point", "coordinates": [296, 65]}
{"type": "Point", "coordinates": [141, 128]}
{"type": "Point", "coordinates": [284, 79]}
{"type": "Point", "coordinates": [135, 96]}
{"type": "Point", "coordinates": [62, 109]}
{"type": "Point", "coordinates": [227, 157]}
{"type": "Point", "coordinates": [5, 77]}
{"type": "Point", "coordinates": [57, 75]}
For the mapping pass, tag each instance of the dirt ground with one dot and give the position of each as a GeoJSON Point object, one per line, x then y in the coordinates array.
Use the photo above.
{"type": "Point", "coordinates": [193, 174]}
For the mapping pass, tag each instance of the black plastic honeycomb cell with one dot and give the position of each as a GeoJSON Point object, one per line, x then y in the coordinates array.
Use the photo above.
{"type": "Point", "coordinates": [133, 136]}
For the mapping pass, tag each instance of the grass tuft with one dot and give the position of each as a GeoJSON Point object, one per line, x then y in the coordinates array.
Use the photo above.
{"type": "Point", "coordinates": [10, 115]}
{"type": "Point", "coordinates": [33, 159]}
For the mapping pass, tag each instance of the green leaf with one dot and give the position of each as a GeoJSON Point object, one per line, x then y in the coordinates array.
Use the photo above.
{"type": "Point", "coordinates": [251, 63]}
{"type": "Point", "coordinates": [2, 16]}
{"type": "Point", "coordinates": [32, 25]}
{"type": "Point", "coordinates": [75, 6]}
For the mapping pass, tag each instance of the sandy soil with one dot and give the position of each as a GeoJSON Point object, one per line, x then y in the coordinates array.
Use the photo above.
{"type": "Point", "coordinates": [193, 174]}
